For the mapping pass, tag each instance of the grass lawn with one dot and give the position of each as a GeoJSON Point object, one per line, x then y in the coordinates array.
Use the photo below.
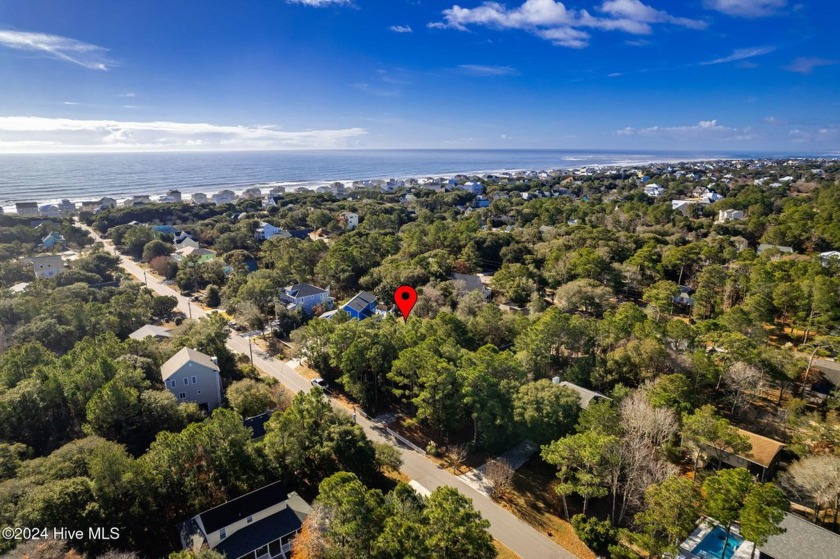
{"type": "Point", "coordinates": [533, 500]}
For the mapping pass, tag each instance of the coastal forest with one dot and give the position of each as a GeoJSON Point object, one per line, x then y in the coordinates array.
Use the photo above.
{"type": "Point", "coordinates": [697, 327]}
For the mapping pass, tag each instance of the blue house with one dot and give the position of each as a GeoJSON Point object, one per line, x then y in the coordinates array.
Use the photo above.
{"type": "Point", "coordinates": [361, 306]}
{"type": "Point", "coordinates": [305, 296]}
{"type": "Point", "coordinates": [53, 239]}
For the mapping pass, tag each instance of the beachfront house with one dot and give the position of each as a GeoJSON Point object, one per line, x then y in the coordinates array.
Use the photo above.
{"type": "Point", "coordinates": [198, 198]}
{"type": "Point", "coordinates": [26, 208]}
{"type": "Point", "coordinates": [258, 525]}
{"type": "Point", "coordinates": [224, 197]}
{"type": "Point", "coordinates": [66, 207]}
{"type": "Point", "coordinates": [107, 203]}
{"type": "Point", "coordinates": [141, 200]}
{"type": "Point", "coordinates": [193, 376]}
{"type": "Point", "coordinates": [266, 231]}
{"type": "Point", "coordinates": [306, 297]}
{"type": "Point", "coordinates": [349, 220]}
{"type": "Point", "coordinates": [49, 210]}
{"type": "Point", "coordinates": [252, 193]}
{"type": "Point", "coordinates": [46, 266]}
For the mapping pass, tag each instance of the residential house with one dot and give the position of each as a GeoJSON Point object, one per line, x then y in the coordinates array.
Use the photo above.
{"type": "Point", "coordinates": [305, 296]}
{"type": "Point", "coordinates": [827, 257]}
{"type": "Point", "coordinates": [183, 240]}
{"type": "Point", "coordinates": [107, 203]}
{"type": "Point", "coordinates": [654, 190]}
{"type": "Point", "coordinates": [19, 287]}
{"type": "Point", "coordinates": [764, 247]}
{"type": "Point", "coordinates": [150, 330]}
{"type": "Point", "coordinates": [361, 306]}
{"type": "Point", "coordinates": [66, 207]}
{"type": "Point", "coordinates": [482, 202]}
{"type": "Point", "coordinates": [349, 220]}
{"type": "Point", "coordinates": [252, 193]}
{"type": "Point", "coordinates": [174, 195]}
{"type": "Point", "coordinates": [800, 539]}
{"type": "Point", "coordinates": [52, 240]}
{"type": "Point", "coordinates": [199, 198]}
{"type": "Point", "coordinates": [266, 231]}
{"type": "Point", "coordinates": [684, 298]}
{"type": "Point", "coordinates": [257, 424]}
{"type": "Point", "coordinates": [90, 206]}
{"type": "Point", "coordinates": [761, 459]}
{"type": "Point", "coordinates": [224, 197]}
{"type": "Point", "coordinates": [472, 187]}
{"type": "Point", "coordinates": [141, 200]}
{"type": "Point", "coordinates": [193, 377]}
{"type": "Point", "coordinates": [467, 283]}
{"type": "Point", "coordinates": [258, 525]}
{"type": "Point", "coordinates": [203, 254]}
{"type": "Point", "coordinates": [586, 395]}
{"type": "Point", "coordinates": [827, 377]}
{"type": "Point", "coordinates": [729, 215]}
{"type": "Point", "coordinates": [46, 266]}
{"type": "Point", "coordinates": [682, 206]}
{"type": "Point", "coordinates": [49, 210]}
{"type": "Point", "coordinates": [26, 208]}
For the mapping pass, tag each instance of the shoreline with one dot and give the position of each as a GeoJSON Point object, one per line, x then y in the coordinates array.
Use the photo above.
{"type": "Point", "coordinates": [312, 184]}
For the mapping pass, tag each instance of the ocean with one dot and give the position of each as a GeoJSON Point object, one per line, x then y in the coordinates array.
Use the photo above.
{"type": "Point", "coordinates": [48, 178]}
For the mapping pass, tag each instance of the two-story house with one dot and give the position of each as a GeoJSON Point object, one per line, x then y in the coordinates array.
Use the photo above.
{"type": "Point", "coordinates": [258, 525]}
{"type": "Point", "coordinates": [193, 377]}
{"type": "Point", "coordinates": [305, 296]}
{"type": "Point", "coordinates": [349, 220]}
{"type": "Point", "coordinates": [266, 231]}
{"type": "Point", "coordinates": [47, 265]}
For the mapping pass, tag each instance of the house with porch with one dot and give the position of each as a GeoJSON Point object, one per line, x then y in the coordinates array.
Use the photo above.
{"type": "Point", "coordinates": [760, 459]}
{"type": "Point", "coordinates": [306, 296]}
{"type": "Point", "coordinates": [258, 525]}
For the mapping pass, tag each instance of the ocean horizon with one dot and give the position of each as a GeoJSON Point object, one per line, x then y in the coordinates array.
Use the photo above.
{"type": "Point", "coordinates": [49, 178]}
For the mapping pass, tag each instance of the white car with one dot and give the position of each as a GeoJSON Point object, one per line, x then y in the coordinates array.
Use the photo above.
{"type": "Point", "coordinates": [320, 383]}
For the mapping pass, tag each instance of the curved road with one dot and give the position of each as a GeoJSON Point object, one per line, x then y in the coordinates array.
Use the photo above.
{"type": "Point", "coordinates": [519, 536]}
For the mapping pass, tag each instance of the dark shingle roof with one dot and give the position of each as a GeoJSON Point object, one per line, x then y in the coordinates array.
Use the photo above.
{"type": "Point", "coordinates": [242, 507]}
{"type": "Point", "coordinates": [361, 301]}
{"type": "Point", "coordinates": [801, 539]}
{"type": "Point", "coordinates": [260, 533]}
{"type": "Point", "coordinates": [304, 290]}
{"type": "Point", "coordinates": [471, 282]}
{"type": "Point", "coordinates": [257, 424]}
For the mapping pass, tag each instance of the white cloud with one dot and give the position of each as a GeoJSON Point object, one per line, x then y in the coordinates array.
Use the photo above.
{"type": "Point", "coordinates": [55, 46]}
{"type": "Point", "coordinates": [636, 11]}
{"type": "Point", "coordinates": [745, 8]}
{"type": "Point", "coordinates": [63, 134]}
{"type": "Point", "coordinates": [401, 28]}
{"type": "Point", "coordinates": [129, 94]}
{"type": "Point", "coordinates": [481, 70]}
{"type": "Point", "coordinates": [70, 103]}
{"type": "Point", "coordinates": [807, 65]}
{"type": "Point", "coordinates": [320, 3]}
{"type": "Point", "coordinates": [552, 21]}
{"type": "Point", "coordinates": [740, 54]}
{"type": "Point", "coordinates": [703, 130]}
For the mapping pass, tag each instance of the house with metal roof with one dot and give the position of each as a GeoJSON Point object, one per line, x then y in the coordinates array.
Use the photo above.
{"type": "Point", "coordinates": [361, 306]}
{"type": "Point", "coordinates": [586, 395]}
{"type": "Point", "coordinates": [258, 525]}
{"type": "Point", "coordinates": [193, 377]}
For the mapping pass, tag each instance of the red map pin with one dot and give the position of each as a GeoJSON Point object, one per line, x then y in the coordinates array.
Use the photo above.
{"type": "Point", "coordinates": [405, 297]}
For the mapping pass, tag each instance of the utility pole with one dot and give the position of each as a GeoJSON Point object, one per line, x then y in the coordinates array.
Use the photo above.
{"type": "Point", "coordinates": [189, 307]}
{"type": "Point", "coordinates": [250, 351]}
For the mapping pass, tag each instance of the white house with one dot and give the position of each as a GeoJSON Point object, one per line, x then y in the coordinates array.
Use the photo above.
{"type": "Point", "coordinates": [193, 376]}
{"type": "Point", "coordinates": [224, 197]}
{"type": "Point", "coordinates": [654, 190]}
{"type": "Point", "coordinates": [47, 265]}
{"type": "Point", "coordinates": [49, 210]}
{"type": "Point", "coordinates": [350, 220]}
{"type": "Point", "coordinates": [150, 330]}
{"type": "Point", "coordinates": [266, 231]}
{"type": "Point", "coordinates": [199, 198]}
{"type": "Point", "coordinates": [729, 215]}
{"type": "Point", "coordinates": [682, 206]}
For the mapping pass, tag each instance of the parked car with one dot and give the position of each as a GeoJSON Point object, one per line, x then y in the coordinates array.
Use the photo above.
{"type": "Point", "coordinates": [320, 383]}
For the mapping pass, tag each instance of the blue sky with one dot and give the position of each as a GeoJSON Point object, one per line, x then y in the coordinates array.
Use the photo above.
{"type": "Point", "coordinates": [735, 75]}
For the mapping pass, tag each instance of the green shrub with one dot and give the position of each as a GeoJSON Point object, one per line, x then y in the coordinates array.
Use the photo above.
{"type": "Point", "coordinates": [597, 534]}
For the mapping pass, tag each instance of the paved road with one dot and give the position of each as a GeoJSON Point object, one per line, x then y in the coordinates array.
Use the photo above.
{"type": "Point", "coordinates": [519, 536]}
